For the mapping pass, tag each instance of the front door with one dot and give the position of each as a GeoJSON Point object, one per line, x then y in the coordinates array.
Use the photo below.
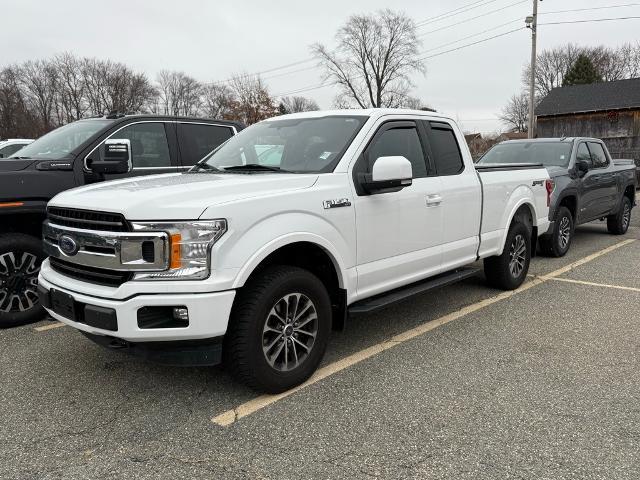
{"type": "Point", "coordinates": [398, 233]}
{"type": "Point", "coordinates": [593, 202]}
{"type": "Point", "coordinates": [150, 148]}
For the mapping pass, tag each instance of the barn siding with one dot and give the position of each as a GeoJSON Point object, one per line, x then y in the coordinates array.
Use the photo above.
{"type": "Point", "coordinates": [619, 130]}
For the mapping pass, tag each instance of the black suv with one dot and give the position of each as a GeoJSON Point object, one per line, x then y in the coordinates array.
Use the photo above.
{"type": "Point", "coordinates": [74, 155]}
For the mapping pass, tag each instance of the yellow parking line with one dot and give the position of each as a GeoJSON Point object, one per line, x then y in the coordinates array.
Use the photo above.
{"type": "Point", "coordinates": [230, 416]}
{"type": "Point", "coordinates": [49, 327]}
{"type": "Point", "coordinates": [594, 284]}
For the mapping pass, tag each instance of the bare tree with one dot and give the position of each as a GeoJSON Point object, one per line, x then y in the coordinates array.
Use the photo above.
{"type": "Point", "coordinates": [179, 94]}
{"type": "Point", "coordinates": [516, 113]}
{"type": "Point", "coordinates": [611, 63]}
{"type": "Point", "coordinates": [297, 104]}
{"type": "Point", "coordinates": [217, 101]}
{"type": "Point", "coordinates": [16, 120]}
{"type": "Point", "coordinates": [375, 56]}
{"type": "Point", "coordinates": [71, 104]}
{"type": "Point", "coordinates": [252, 101]}
{"type": "Point", "coordinates": [39, 80]}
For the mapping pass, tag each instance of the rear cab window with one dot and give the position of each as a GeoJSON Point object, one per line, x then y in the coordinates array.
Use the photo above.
{"type": "Point", "coordinates": [197, 140]}
{"type": "Point", "coordinates": [445, 149]}
{"type": "Point", "coordinates": [598, 157]}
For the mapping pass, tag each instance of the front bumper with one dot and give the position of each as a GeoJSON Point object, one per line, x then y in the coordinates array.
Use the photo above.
{"type": "Point", "coordinates": [208, 312]}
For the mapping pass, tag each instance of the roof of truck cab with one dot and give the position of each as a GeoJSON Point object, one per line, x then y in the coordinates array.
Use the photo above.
{"type": "Point", "coordinates": [142, 116]}
{"type": "Point", "coordinates": [365, 112]}
{"type": "Point", "coordinates": [550, 140]}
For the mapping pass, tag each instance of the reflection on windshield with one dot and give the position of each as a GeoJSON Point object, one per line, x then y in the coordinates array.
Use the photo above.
{"type": "Point", "coordinates": [57, 144]}
{"type": "Point", "coordinates": [547, 153]}
{"type": "Point", "coordinates": [301, 145]}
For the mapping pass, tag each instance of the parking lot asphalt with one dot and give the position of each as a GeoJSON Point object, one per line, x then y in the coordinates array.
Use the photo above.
{"type": "Point", "coordinates": [465, 382]}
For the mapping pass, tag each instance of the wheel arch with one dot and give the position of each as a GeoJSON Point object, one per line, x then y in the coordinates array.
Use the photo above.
{"type": "Point", "coordinates": [306, 251]}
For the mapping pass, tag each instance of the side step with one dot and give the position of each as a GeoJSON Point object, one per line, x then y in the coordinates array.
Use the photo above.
{"type": "Point", "coordinates": [384, 299]}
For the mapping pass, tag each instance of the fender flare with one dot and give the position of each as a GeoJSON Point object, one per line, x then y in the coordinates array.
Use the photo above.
{"type": "Point", "coordinates": [267, 249]}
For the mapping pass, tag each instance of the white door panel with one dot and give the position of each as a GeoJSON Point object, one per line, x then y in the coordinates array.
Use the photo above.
{"type": "Point", "coordinates": [398, 235]}
{"type": "Point", "coordinates": [461, 207]}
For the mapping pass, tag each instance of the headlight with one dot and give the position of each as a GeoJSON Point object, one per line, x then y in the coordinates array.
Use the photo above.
{"type": "Point", "coordinates": [189, 248]}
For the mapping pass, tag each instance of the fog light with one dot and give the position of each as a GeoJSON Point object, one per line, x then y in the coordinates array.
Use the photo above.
{"type": "Point", "coordinates": [181, 313]}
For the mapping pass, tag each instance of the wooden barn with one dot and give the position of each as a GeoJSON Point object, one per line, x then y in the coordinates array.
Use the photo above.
{"type": "Point", "coordinates": [607, 110]}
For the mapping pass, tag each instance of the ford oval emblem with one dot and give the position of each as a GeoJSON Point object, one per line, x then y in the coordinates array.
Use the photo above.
{"type": "Point", "coordinates": [68, 245]}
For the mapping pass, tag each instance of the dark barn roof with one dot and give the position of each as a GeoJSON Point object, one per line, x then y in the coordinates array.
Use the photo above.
{"type": "Point", "coordinates": [617, 95]}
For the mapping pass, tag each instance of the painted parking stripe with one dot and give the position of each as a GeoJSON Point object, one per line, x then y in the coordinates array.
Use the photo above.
{"type": "Point", "coordinates": [594, 284]}
{"type": "Point", "coordinates": [230, 416]}
{"type": "Point", "coordinates": [51, 326]}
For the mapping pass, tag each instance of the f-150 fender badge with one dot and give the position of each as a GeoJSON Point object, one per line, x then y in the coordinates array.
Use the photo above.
{"type": "Point", "coordinates": [336, 203]}
{"type": "Point", "coordinates": [537, 182]}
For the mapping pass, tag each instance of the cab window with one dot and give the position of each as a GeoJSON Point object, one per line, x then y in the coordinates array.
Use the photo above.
{"type": "Point", "coordinates": [399, 141]}
{"type": "Point", "coordinates": [598, 156]}
{"type": "Point", "coordinates": [197, 140]}
{"type": "Point", "coordinates": [149, 147]}
{"type": "Point", "coordinates": [583, 154]}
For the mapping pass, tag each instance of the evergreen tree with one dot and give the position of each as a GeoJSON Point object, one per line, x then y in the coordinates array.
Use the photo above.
{"type": "Point", "coordinates": [582, 72]}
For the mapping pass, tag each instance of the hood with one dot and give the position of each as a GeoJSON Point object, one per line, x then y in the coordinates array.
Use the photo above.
{"type": "Point", "coordinates": [179, 196]}
{"type": "Point", "coordinates": [555, 171]}
{"type": "Point", "coordinates": [14, 165]}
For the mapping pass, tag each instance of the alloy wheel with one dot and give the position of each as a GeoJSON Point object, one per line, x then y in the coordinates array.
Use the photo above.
{"type": "Point", "coordinates": [18, 281]}
{"type": "Point", "coordinates": [626, 216]}
{"type": "Point", "coordinates": [289, 332]}
{"type": "Point", "coordinates": [564, 232]}
{"type": "Point", "coordinates": [517, 256]}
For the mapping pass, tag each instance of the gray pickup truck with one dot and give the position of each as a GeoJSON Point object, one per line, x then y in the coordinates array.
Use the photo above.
{"type": "Point", "coordinates": [587, 184]}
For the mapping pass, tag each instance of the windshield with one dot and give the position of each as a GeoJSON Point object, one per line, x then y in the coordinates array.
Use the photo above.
{"type": "Point", "coordinates": [547, 153]}
{"type": "Point", "coordinates": [57, 144]}
{"type": "Point", "coordinates": [301, 145]}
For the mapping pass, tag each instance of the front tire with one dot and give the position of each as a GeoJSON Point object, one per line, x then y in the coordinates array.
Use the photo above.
{"type": "Point", "coordinates": [279, 329]}
{"type": "Point", "coordinates": [508, 270]}
{"type": "Point", "coordinates": [20, 259]}
{"type": "Point", "coordinates": [557, 245]}
{"type": "Point", "coordinates": [618, 224]}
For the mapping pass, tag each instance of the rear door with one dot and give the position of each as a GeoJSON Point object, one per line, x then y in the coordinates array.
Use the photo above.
{"type": "Point", "coordinates": [594, 190]}
{"type": "Point", "coordinates": [460, 195]}
{"type": "Point", "coordinates": [197, 140]}
{"type": "Point", "coordinates": [608, 191]}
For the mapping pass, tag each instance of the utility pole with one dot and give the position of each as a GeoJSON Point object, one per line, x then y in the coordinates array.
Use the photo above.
{"type": "Point", "coordinates": [532, 23]}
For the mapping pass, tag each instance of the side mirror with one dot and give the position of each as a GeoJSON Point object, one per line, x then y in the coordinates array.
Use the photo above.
{"type": "Point", "coordinates": [582, 166]}
{"type": "Point", "coordinates": [116, 158]}
{"type": "Point", "coordinates": [389, 174]}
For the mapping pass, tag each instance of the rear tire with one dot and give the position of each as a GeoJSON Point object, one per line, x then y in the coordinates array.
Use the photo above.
{"type": "Point", "coordinates": [559, 242]}
{"type": "Point", "coordinates": [618, 224]}
{"type": "Point", "coordinates": [278, 330]}
{"type": "Point", "coordinates": [508, 270]}
{"type": "Point", "coordinates": [20, 259]}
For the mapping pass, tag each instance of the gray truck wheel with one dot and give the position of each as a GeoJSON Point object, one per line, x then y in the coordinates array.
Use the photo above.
{"type": "Point", "coordinates": [558, 243]}
{"type": "Point", "coordinates": [20, 259]}
{"type": "Point", "coordinates": [618, 224]}
{"type": "Point", "coordinates": [279, 329]}
{"type": "Point", "coordinates": [508, 270]}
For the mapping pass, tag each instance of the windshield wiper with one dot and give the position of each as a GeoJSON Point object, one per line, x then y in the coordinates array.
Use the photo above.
{"type": "Point", "coordinates": [255, 167]}
{"type": "Point", "coordinates": [205, 167]}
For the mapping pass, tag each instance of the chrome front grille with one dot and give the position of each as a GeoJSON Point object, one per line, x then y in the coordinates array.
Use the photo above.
{"type": "Point", "coordinates": [87, 219]}
{"type": "Point", "coordinates": [99, 247]}
{"type": "Point", "coordinates": [110, 278]}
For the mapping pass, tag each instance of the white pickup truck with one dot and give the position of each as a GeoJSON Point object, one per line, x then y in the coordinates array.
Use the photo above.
{"type": "Point", "coordinates": [256, 253]}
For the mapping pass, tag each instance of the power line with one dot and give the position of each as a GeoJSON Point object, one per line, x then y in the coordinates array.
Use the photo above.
{"type": "Point", "coordinates": [442, 16]}
{"type": "Point", "coordinates": [473, 43]}
{"type": "Point", "coordinates": [473, 18]}
{"type": "Point", "coordinates": [471, 36]}
{"type": "Point", "coordinates": [590, 9]}
{"type": "Point", "coordinates": [588, 21]}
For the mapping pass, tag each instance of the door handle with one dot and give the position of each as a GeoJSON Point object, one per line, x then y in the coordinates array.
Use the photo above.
{"type": "Point", "coordinates": [433, 200]}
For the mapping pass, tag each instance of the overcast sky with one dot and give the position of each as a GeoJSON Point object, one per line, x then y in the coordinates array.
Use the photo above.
{"type": "Point", "coordinates": [212, 40]}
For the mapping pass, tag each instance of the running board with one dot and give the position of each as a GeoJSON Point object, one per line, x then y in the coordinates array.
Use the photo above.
{"type": "Point", "coordinates": [380, 301]}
